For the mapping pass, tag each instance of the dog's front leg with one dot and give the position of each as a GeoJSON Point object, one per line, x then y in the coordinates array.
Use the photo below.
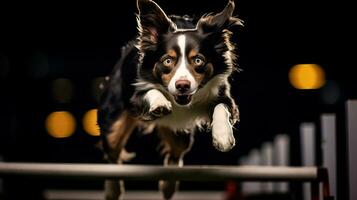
{"type": "Point", "coordinates": [222, 132]}
{"type": "Point", "coordinates": [155, 105]}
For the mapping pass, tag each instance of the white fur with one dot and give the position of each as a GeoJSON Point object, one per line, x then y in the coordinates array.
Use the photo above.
{"type": "Point", "coordinates": [195, 113]}
{"type": "Point", "coordinates": [185, 117]}
{"type": "Point", "coordinates": [143, 85]}
{"type": "Point", "coordinates": [185, 29]}
{"type": "Point", "coordinates": [211, 88]}
{"type": "Point", "coordinates": [156, 99]}
{"type": "Point", "coordinates": [182, 71]}
{"type": "Point", "coordinates": [222, 132]}
{"type": "Point", "coordinates": [229, 55]}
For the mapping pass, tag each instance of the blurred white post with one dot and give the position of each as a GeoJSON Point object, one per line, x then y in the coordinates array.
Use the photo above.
{"type": "Point", "coordinates": [352, 147]}
{"type": "Point", "coordinates": [307, 139]}
{"type": "Point", "coordinates": [328, 128]}
{"type": "Point", "coordinates": [281, 158]}
{"type": "Point", "coordinates": [252, 187]}
{"type": "Point", "coordinates": [267, 160]}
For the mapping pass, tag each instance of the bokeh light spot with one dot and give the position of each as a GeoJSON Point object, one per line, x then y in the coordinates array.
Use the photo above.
{"type": "Point", "coordinates": [307, 76]}
{"type": "Point", "coordinates": [90, 122]}
{"type": "Point", "coordinates": [60, 124]}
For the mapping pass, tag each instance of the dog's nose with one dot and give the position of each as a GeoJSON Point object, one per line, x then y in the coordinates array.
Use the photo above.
{"type": "Point", "coordinates": [183, 85]}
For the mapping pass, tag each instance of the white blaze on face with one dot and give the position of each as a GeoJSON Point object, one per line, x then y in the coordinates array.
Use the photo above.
{"type": "Point", "coordinates": [182, 72]}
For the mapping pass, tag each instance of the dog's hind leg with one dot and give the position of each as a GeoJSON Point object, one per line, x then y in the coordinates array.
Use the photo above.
{"type": "Point", "coordinates": [173, 146]}
{"type": "Point", "coordinates": [116, 139]}
{"type": "Point", "coordinates": [113, 189]}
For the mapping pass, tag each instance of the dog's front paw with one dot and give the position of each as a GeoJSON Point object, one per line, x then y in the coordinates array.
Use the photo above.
{"type": "Point", "coordinates": [159, 108]}
{"type": "Point", "coordinates": [222, 135]}
{"type": "Point", "coordinates": [157, 105]}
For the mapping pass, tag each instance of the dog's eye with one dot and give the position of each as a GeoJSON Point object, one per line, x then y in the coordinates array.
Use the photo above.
{"type": "Point", "coordinates": [168, 61]}
{"type": "Point", "coordinates": [198, 61]}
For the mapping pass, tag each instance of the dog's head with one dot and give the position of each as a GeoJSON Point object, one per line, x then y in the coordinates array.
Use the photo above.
{"type": "Point", "coordinates": [182, 61]}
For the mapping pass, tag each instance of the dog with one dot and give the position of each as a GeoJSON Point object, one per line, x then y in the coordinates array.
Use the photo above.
{"type": "Point", "coordinates": [172, 79]}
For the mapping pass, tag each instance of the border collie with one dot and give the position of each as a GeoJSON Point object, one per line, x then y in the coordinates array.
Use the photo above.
{"type": "Point", "coordinates": [172, 79]}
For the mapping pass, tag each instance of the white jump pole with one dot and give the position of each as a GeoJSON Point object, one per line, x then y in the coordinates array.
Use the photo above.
{"type": "Point", "coordinates": [153, 172]}
{"type": "Point", "coordinates": [267, 160]}
{"type": "Point", "coordinates": [328, 129]}
{"type": "Point", "coordinates": [352, 147]}
{"type": "Point", "coordinates": [253, 159]}
{"type": "Point", "coordinates": [281, 158]}
{"type": "Point", "coordinates": [307, 138]}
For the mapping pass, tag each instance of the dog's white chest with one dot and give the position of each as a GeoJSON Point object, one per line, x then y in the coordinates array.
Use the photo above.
{"type": "Point", "coordinates": [183, 118]}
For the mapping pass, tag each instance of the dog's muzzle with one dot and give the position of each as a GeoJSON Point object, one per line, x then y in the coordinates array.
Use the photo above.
{"type": "Point", "coordinates": [183, 96]}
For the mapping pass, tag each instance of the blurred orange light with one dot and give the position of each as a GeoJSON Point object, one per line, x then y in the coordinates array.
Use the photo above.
{"type": "Point", "coordinates": [60, 124]}
{"type": "Point", "coordinates": [307, 76]}
{"type": "Point", "coordinates": [90, 122]}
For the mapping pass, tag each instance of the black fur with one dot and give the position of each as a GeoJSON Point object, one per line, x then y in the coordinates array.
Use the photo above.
{"type": "Point", "coordinates": [140, 70]}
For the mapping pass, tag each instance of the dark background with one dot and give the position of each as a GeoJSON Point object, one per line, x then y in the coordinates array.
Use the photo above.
{"type": "Point", "coordinates": [41, 42]}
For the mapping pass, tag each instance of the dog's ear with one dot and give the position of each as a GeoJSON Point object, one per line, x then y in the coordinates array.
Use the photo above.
{"type": "Point", "coordinates": [221, 21]}
{"type": "Point", "coordinates": [152, 22]}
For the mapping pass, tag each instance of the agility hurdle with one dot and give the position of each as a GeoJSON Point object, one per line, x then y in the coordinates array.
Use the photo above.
{"type": "Point", "coordinates": [314, 175]}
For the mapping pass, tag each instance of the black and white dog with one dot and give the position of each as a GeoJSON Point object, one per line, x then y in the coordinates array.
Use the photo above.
{"type": "Point", "coordinates": [172, 79]}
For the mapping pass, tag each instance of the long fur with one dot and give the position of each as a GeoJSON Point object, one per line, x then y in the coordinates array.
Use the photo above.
{"type": "Point", "coordinates": [137, 95]}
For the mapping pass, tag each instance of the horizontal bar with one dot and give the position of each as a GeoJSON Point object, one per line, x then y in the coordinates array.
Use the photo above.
{"type": "Point", "coordinates": [153, 172]}
{"type": "Point", "coordinates": [130, 195]}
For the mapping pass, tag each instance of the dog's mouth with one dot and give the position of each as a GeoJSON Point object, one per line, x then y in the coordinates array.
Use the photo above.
{"type": "Point", "coordinates": [183, 99]}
